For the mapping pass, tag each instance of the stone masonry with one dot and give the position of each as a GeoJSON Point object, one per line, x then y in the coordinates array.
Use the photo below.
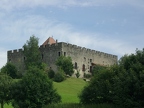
{"type": "Point", "coordinates": [82, 58]}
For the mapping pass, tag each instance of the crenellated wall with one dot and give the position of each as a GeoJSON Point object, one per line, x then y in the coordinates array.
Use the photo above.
{"type": "Point", "coordinates": [80, 55]}
{"type": "Point", "coordinates": [17, 58]}
{"type": "Point", "coordinates": [83, 56]}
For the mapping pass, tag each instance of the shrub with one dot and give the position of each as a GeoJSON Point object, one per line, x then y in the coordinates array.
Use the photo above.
{"type": "Point", "coordinates": [59, 76]}
{"type": "Point", "coordinates": [51, 74]}
{"type": "Point", "coordinates": [87, 75]}
{"type": "Point", "coordinates": [34, 90]}
{"type": "Point", "coordinates": [77, 74]}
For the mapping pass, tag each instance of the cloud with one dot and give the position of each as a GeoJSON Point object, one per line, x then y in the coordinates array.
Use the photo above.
{"type": "Point", "coordinates": [3, 57]}
{"type": "Point", "coordinates": [15, 31]}
{"type": "Point", "coordinates": [9, 5]}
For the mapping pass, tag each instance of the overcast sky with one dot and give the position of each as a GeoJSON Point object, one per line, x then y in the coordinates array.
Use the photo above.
{"type": "Point", "coordinates": [111, 26]}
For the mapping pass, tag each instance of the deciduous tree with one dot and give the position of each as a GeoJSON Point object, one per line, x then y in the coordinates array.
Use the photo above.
{"type": "Point", "coordinates": [65, 63]}
{"type": "Point", "coordinates": [10, 70]}
{"type": "Point", "coordinates": [32, 53]}
{"type": "Point", "coordinates": [34, 90]}
{"type": "Point", "coordinates": [5, 83]}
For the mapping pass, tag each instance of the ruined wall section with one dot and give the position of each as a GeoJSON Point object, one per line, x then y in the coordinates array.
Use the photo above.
{"type": "Point", "coordinates": [17, 58]}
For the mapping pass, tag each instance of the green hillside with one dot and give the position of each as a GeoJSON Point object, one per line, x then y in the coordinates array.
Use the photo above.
{"type": "Point", "coordinates": [69, 89]}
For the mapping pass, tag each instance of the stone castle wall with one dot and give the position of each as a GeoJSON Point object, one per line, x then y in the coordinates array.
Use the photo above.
{"type": "Point", "coordinates": [81, 57]}
{"type": "Point", "coordinates": [17, 58]}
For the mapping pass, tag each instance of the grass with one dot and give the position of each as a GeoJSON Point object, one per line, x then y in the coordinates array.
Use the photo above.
{"type": "Point", "coordinates": [69, 89]}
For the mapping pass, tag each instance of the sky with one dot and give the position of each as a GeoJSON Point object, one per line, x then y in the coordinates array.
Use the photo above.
{"type": "Point", "coordinates": [111, 26]}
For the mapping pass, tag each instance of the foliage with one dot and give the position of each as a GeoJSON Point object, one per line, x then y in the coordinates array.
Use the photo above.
{"type": "Point", "coordinates": [75, 105]}
{"type": "Point", "coordinates": [77, 74]}
{"type": "Point", "coordinates": [97, 68]}
{"type": "Point", "coordinates": [87, 75]}
{"type": "Point", "coordinates": [34, 90]}
{"type": "Point", "coordinates": [65, 63]}
{"type": "Point", "coordinates": [59, 76]}
{"type": "Point", "coordinates": [32, 53]}
{"type": "Point", "coordinates": [122, 84]}
{"type": "Point", "coordinates": [51, 73]}
{"type": "Point", "coordinates": [5, 83]}
{"type": "Point", "coordinates": [10, 70]}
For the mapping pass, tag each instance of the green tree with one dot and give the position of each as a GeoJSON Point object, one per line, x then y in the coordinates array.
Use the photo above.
{"type": "Point", "coordinates": [32, 53]}
{"type": "Point", "coordinates": [99, 88]}
{"type": "Point", "coordinates": [65, 63]}
{"type": "Point", "coordinates": [34, 90]}
{"type": "Point", "coordinates": [122, 84]}
{"type": "Point", "coordinates": [10, 70]}
{"type": "Point", "coordinates": [5, 83]}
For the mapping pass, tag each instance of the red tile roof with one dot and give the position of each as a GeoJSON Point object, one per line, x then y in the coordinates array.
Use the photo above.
{"type": "Point", "coordinates": [49, 41]}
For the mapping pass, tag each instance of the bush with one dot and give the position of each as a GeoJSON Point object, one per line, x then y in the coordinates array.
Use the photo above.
{"type": "Point", "coordinates": [59, 76]}
{"type": "Point", "coordinates": [34, 90]}
{"type": "Point", "coordinates": [77, 74]}
{"type": "Point", "coordinates": [51, 74]}
{"type": "Point", "coordinates": [87, 75]}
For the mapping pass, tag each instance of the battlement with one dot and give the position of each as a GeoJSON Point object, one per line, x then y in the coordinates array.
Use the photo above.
{"type": "Point", "coordinates": [15, 51]}
{"type": "Point", "coordinates": [83, 49]}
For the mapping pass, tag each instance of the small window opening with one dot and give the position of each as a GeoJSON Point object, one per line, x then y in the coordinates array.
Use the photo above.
{"type": "Point", "coordinates": [64, 53]}
{"type": "Point", "coordinates": [90, 60]}
{"type": "Point", "coordinates": [90, 68]}
{"type": "Point", "coordinates": [9, 60]}
{"type": "Point", "coordinates": [83, 67]}
{"type": "Point", "coordinates": [24, 58]}
{"type": "Point", "coordinates": [42, 56]}
{"type": "Point", "coordinates": [75, 65]}
{"type": "Point", "coordinates": [59, 53]}
{"type": "Point", "coordinates": [84, 59]}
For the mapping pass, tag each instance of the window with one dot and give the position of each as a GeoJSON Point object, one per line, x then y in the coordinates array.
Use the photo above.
{"type": "Point", "coordinates": [64, 53]}
{"type": "Point", "coordinates": [59, 54]}
{"type": "Point", "coordinates": [42, 56]}
{"type": "Point", "coordinates": [83, 67]}
{"type": "Point", "coordinates": [24, 58]}
{"type": "Point", "coordinates": [75, 65]}
{"type": "Point", "coordinates": [9, 60]}
{"type": "Point", "coordinates": [84, 59]}
{"type": "Point", "coordinates": [90, 60]}
{"type": "Point", "coordinates": [90, 68]}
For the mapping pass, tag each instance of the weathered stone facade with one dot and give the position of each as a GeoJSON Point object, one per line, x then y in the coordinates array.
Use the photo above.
{"type": "Point", "coordinates": [82, 58]}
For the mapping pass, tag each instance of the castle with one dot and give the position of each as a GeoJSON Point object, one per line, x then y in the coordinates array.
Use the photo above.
{"type": "Point", "coordinates": [83, 59]}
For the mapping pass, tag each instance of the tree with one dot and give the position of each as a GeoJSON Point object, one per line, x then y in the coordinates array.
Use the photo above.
{"type": "Point", "coordinates": [32, 53]}
{"type": "Point", "coordinates": [34, 90]}
{"type": "Point", "coordinates": [10, 70]}
{"type": "Point", "coordinates": [99, 88]}
{"type": "Point", "coordinates": [5, 83]}
{"type": "Point", "coordinates": [65, 63]}
{"type": "Point", "coordinates": [121, 84]}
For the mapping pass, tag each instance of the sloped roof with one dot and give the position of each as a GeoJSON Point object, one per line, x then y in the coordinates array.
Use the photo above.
{"type": "Point", "coordinates": [49, 41]}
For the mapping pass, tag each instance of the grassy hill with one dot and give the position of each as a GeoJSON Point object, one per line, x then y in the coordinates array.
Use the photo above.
{"type": "Point", "coordinates": [69, 89]}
